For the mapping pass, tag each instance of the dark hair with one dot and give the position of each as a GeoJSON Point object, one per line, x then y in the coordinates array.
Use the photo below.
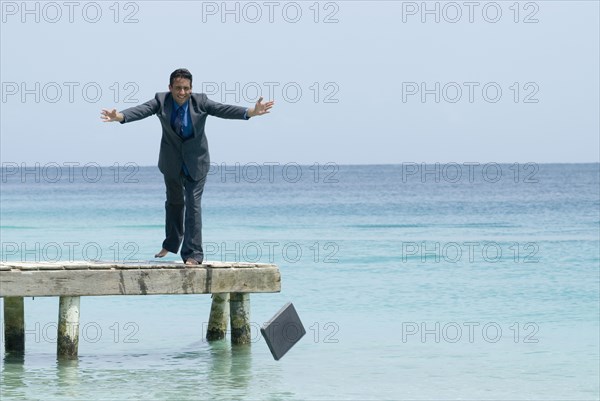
{"type": "Point", "coordinates": [180, 73]}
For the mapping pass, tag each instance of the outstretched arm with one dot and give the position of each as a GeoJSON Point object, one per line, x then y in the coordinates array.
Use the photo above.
{"type": "Point", "coordinates": [131, 114]}
{"type": "Point", "coordinates": [260, 108]}
{"type": "Point", "coordinates": [230, 111]}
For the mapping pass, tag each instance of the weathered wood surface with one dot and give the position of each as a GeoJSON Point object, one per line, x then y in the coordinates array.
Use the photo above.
{"type": "Point", "coordinates": [19, 279]}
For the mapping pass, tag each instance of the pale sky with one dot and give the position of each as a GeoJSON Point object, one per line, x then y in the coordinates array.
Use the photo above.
{"type": "Point", "coordinates": [354, 82]}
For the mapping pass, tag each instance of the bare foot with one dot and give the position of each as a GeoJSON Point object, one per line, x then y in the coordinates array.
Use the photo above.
{"type": "Point", "coordinates": [191, 261]}
{"type": "Point", "coordinates": [162, 253]}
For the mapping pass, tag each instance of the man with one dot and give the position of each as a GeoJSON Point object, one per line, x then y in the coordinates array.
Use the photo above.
{"type": "Point", "coordinates": [184, 159]}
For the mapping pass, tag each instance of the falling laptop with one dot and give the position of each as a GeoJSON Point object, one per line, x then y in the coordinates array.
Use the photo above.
{"type": "Point", "coordinates": [283, 331]}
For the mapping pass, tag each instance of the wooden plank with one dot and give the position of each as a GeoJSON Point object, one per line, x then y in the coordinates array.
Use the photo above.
{"type": "Point", "coordinates": [89, 265]}
{"type": "Point", "coordinates": [25, 266]}
{"type": "Point", "coordinates": [140, 281]}
{"type": "Point", "coordinates": [78, 265]}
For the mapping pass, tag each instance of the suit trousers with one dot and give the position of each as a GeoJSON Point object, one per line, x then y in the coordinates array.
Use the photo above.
{"type": "Point", "coordinates": [183, 205]}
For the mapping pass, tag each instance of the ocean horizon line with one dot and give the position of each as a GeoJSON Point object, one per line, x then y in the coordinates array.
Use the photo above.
{"type": "Point", "coordinates": [80, 164]}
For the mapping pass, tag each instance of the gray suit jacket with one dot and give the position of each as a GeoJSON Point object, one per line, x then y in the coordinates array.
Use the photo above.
{"type": "Point", "coordinates": [174, 151]}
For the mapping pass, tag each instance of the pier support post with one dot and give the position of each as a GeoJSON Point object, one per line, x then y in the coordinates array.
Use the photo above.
{"type": "Point", "coordinates": [14, 325]}
{"type": "Point", "coordinates": [219, 317]}
{"type": "Point", "coordinates": [240, 318]}
{"type": "Point", "coordinates": [67, 341]}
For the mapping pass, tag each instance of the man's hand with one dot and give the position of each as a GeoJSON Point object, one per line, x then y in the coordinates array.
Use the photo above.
{"type": "Point", "coordinates": [259, 108]}
{"type": "Point", "coordinates": [109, 116]}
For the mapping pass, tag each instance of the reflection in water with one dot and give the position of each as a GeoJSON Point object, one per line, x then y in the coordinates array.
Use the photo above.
{"type": "Point", "coordinates": [230, 369]}
{"type": "Point", "coordinates": [67, 372]}
{"type": "Point", "coordinates": [14, 358]}
{"type": "Point", "coordinates": [215, 370]}
{"type": "Point", "coordinates": [241, 366]}
{"type": "Point", "coordinates": [12, 376]}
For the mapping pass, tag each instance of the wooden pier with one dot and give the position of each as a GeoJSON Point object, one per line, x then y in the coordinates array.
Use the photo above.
{"type": "Point", "coordinates": [230, 283]}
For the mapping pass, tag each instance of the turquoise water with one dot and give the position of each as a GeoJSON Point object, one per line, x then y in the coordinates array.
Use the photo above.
{"type": "Point", "coordinates": [412, 282]}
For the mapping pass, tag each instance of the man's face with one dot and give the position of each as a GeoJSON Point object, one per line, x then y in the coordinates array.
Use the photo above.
{"type": "Point", "coordinates": [181, 89]}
